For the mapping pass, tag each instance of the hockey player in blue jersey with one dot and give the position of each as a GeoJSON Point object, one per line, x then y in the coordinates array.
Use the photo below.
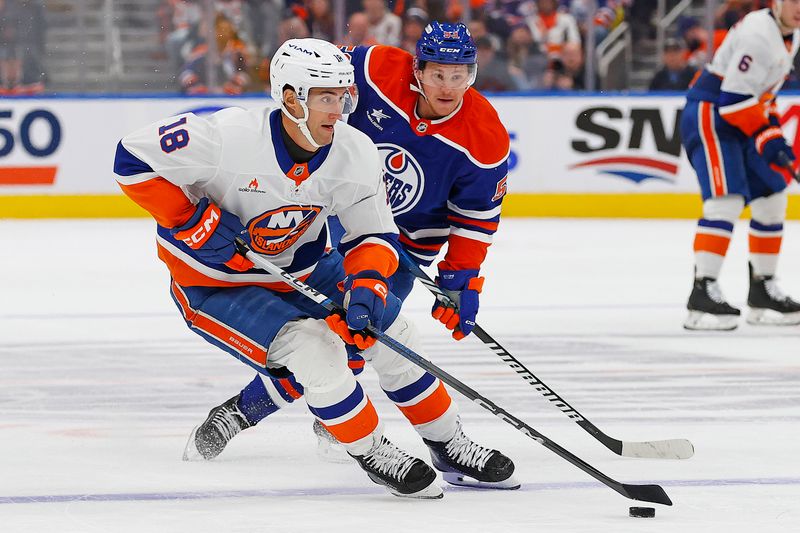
{"type": "Point", "coordinates": [444, 153]}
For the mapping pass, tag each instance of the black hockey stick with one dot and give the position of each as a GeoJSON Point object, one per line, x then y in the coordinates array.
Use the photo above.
{"type": "Point", "coordinates": [645, 493]}
{"type": "Point", "coordinates": [658, 449]}
{"type": "Point", "coordinates": [787, 164]}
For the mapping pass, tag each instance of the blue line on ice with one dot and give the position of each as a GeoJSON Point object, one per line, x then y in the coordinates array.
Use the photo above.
{"type": "Point", "coordinates": [353, 491]}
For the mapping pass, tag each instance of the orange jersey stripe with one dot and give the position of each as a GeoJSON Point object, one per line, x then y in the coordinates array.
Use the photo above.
{"type": "Point", "coordinates": [708, 136]}
{"type": "Point", "coordinates": [220, 331]}
{"type": "Point", "coordinates": [765, 245]}
{"type": "Point", "coordinates": [749, 120]}
{"type": "Point", "coordinates": [371, 256]}
{"type": "Point", "coordinates": [464, 254]}
{"type": "Point", "coordinates": [289, 388]}
{"type": "Point", "coordinates": [430, 408]}
{"type": "Point", "coordinates": [357, 427]}
{"type": "Point", "coordinates": [162, 199]}
{"type": "Point", "coordinates": [714, 244]}
{"type": "Point", "coordinates": [185, 275]}
{"type": "Point", "coordinates": [491, 226]}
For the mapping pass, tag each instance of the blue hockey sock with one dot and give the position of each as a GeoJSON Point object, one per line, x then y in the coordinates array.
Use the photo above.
{"type": "Point", "coordinates": [255, 401]}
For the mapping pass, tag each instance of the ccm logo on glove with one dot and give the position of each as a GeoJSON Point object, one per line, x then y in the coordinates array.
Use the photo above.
{"type": "Point", "coordinates": [203, 230]}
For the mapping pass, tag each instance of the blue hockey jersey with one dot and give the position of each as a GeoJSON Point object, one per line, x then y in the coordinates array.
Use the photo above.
{"type": "Point", "coordinates": [445, 178]}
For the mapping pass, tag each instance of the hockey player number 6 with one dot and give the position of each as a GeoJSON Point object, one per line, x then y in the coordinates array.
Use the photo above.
{"type": "Point", "coordinates": [174, 140]}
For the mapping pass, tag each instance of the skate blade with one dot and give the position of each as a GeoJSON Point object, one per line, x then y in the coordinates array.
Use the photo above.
{"type": "Point", "coordinates": [332, 453]}
{"type": "Point", "coordinates": [699, 321]}
{"type": "Point", "coordinates": [190, 452]}
{"type": "Point", "coordinates": [431, 492]}
{"type": "Point", "coordinates": [769, 317]}
{"type": "Point", "coordinates": [462, 480]}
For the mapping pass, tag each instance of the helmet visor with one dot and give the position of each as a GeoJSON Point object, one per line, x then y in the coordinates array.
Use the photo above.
{"type": "Point", "coordinates": [336, 100]}
{"type": "Point", "coordinates": [448, 76]}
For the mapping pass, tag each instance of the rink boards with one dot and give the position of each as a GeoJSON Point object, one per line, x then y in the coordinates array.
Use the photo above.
{"type": "Point", "coordinates": [590, 155]}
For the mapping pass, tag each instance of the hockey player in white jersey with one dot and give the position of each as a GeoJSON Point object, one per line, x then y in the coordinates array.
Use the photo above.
{"type": "Point", "coordinates": [273, 176]}
{"type": "Point", "coordinates": [731, 130]}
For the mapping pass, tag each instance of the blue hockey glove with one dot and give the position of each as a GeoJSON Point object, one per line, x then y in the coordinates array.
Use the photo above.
{"type": "Point", "coordinates": [771, 143]}
{"type": "Point", "coordinates": [467, 286]}
{"type": "Point", "coordinates": [211, 232]}
{"type": "Point", "coordinates": [364, 302]}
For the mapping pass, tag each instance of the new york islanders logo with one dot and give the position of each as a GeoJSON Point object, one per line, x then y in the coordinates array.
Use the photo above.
{"type": "Point", "coordinates": [276, 230]}
{"type": "Point", "coordinates": [404, 177]}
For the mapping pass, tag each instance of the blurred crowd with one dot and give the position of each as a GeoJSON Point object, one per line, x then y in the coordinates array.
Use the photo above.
{"type": "Point", "coordinates": [522, 45]}
{"type": "Point", "coordinates": [22, 46]}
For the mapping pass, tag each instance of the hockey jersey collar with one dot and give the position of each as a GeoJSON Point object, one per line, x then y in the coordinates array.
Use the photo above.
{"type": "Point", "coordinates": [298, 172]}
{"type": "Point", "coordinates": [474, 129]}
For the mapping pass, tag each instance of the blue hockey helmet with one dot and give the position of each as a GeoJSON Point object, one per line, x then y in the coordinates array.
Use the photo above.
{"type": "Point", "coordinates": [446, 43]}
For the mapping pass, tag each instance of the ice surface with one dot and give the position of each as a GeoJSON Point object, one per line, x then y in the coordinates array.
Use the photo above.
{"type": "Point", "coordinates": [101, 382]}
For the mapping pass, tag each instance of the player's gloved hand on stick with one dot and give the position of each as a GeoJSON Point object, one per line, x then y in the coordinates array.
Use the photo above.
{"type": "Point", "coordinates": [770, 144]}
{"type": "Point", "coordinates": [364, 302]}
{"type": "Point", "coordinates": [467, 286]}
{"type": "Point", "coordinates": [210, 232]}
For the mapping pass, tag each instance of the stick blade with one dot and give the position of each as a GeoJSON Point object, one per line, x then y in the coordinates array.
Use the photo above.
{"type": "Point", "coordinates": [659, 449]}
{"type": "Point", "coordinates": [647, 493]}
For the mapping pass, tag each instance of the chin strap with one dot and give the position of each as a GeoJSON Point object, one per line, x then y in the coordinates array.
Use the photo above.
{"type": "Point", "coordinates": [301, 123]}
{"type": "Point", "coordinates": [418, 86]}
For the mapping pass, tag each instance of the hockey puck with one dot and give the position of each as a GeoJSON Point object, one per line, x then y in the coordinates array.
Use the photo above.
{"type": "Point", "coordinates": [642, 512]}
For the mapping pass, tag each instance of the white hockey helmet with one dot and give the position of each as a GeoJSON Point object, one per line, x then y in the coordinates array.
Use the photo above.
{"type": "Point", "coordinates": [304, 64]}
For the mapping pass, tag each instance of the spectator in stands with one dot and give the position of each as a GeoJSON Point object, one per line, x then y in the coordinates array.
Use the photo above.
{"type": "Point", "coordinates": [676, 74]}
{"type": "Point", "coordinates": [478, 28]}
{"type": "Point", "coordinates": [358, 31]}
{"type": "Point", "coordinates": [552, 29]}
{"type": "Point", "coordinates": [454, 9]}
{"type": "Point", "coordinates": [320, 20]}
{"type": "Point", "coordinates": [504, 15]}
{"type": "Point", "coordinates": [608, 15]}
{"type": "Point", "coordinates": [493, 73]}
{"type": "Point", "coordinates": [526, 61]}
{"type": "Point", "coordinates": [235, 12]}
{"type": "Point", "coordinates": [414, 23]}
{"type": "Point", "coordinates": [186, 17]}
{"type": "Point", "coordinates": [231, 70]}
{"type": "Point", "coordinates": [573, 59]}
{"type": "Point", "coordinates": [735, 10]}
{"type": "Point", "coordinates": [696, 38]}
{"type": "Point", "coordinates": [292, 27]}
{"type": "Point", "coordinates": [384, 26]}
{"type": "Point", "coordinates": [565, 71]}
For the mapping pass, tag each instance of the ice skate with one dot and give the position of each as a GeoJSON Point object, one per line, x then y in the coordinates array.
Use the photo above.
{"type": "Point", "coordinates": [402, 474]}
{"type": "Point", "coordinates": [209, 438]}
{"type": "Point", "coordinates": [462, 462]}
{"type": "Point", "coordinates": [329, 449]}
{"type": "Point", "coordinates": [708, 309]}
{"type": "Point", "coordinates": [768, 304]}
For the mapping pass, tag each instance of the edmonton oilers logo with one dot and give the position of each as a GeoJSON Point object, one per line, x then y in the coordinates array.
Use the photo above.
{"type": "Point", "coordinates": [404, 177]}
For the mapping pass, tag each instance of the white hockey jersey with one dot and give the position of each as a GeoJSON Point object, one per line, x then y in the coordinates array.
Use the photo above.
{"type": "Point", "coordinates": [238, 160]}
{"type": "Point", "coordinates": [753, 62]}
